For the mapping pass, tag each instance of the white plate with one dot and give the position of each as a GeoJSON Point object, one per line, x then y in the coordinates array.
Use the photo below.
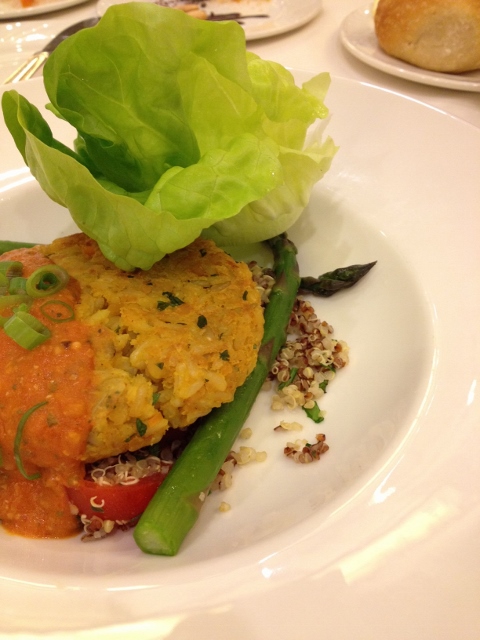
{"type": "Point", "coordinates": [358, 36]}
{"type": "Point", "coordinates": [380, 538]}
{"type": "Point", "coordinates": [13, 8]}
{"type": "Point", "coordinates": [283, 15]}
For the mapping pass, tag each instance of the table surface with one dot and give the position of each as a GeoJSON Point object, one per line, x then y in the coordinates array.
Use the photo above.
{"type": "Point", "coordinates": [313, 47]}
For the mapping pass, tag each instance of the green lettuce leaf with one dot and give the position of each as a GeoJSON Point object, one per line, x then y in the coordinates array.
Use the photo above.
{"type": "Point", "coordinates": [177, 135]}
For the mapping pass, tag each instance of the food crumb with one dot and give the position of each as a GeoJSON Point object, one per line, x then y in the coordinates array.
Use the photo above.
{"type": "Point", "coordinates": [302, 452]}
{"type": "Point", "coordinates": [248, 454]}
{"type": "Point", "coordinates": [288, 426]}
{"type": "Point", "coordinates": [224, 506]}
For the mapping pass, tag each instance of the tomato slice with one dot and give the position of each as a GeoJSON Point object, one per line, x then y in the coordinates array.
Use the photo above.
{"type": "Point", "coordinates": [117, 502]}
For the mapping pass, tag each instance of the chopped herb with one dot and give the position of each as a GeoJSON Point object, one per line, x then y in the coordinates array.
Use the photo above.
{"type": "Point", "coordinates": [97, 509]}
{"type": "Point", "coordinates": [160, 365]}
{"type": "Point", "coordinates": [245, 295]}
{"type": "Point", "coordinates": [173, 301]}
{"type": "Point", "coordinates": [154, 449]}
{"type": "Point", "coordinates": [129, 438]}
{"type": "Point", "coordinates": [293, 373]}
{"type": "Point", "coordinates": [203, 252]}
{"type": "Point", "coordinates": [201, 322]}
{"type": "Point", "coordinates": [314, 413]}
{"type": "Point", "coordinates": [141, 427]}
{"type": "Point", "coordinates": [155, 397]}
{"type": "Point", "coordinates": [323, 386]}
{"type": "Point", "coordinates": [225, 355]}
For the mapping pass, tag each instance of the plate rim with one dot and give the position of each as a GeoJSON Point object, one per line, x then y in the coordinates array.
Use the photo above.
{"type": "Point", "coordinates": [362, 20]}
{"type": "Point", "coordinates": [38, 10]}
{"type": "Point", "coordinates": [356, 82]}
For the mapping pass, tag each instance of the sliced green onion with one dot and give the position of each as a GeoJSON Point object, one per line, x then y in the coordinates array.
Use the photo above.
{"type": "Point", "coordinates": [3, 283]}
{"type": "Point", "coordinates": [11, 268]}
{"type": "Point", "coordinates": [46, 281]}
{"type": "Point", "coordinates": [17, 285]}
{"type": "Point", "coordinates": [18, 441]}
{"type": "Point", "coordinates": [26, 330]}
{"type": "Point", "coordinates": [15, 303]}
{"type": "Point", "coordinates": [63, 313]}
{"type": "Point", "coordinates": [24, 306]}
{"type": "Point", "coordinates": [9, 245]}
{"type": "Point", "coordinates": [7, 302]}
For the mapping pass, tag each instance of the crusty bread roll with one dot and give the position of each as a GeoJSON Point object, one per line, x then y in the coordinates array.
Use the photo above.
{"type": "Point", "coordinates": [439, 35]}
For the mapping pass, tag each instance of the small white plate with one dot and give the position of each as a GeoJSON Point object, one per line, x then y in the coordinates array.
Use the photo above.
{"type": "Point", "coordinates": [13, 8]}
{"type": "Point", "coordinates": [358, 36]}
{"type": "Point", "coordinates": [282, 15]}
{"type": "Point", "coordinates": [379, 539]}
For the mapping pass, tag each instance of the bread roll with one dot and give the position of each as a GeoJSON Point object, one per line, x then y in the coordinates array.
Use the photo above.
{"type": "Point", "coordinates": [438, 35]}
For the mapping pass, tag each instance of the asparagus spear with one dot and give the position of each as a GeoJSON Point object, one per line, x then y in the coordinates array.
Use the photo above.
{"type": "Point", "coordinates": [332, 281]}
{"type": "Point", "coordinates": [175, 507]}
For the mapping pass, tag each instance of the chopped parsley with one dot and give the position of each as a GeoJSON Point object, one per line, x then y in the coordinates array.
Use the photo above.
{"type": "Point", "coordinates": [314, 413]}
{"type": "Point", "coordinates": [201, 322]}
{"type": "Point", "coordinates": [323, 386]}
{"type": "Point", "coordinates": [141, 427]}
{"type": "Point", "coordinates": [173, 301]}
{"type": "Point", "coordinates": [225, 355]}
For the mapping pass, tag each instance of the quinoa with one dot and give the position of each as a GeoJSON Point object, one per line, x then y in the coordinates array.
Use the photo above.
{"type": "Point", "coordinates": [127, 469]}
{"type": "Point", "coordinates": [303, 368]}
{"type": "Point", "coordinates": [309, 360]}
{"type": "Point", "coordinates": [302, 452]}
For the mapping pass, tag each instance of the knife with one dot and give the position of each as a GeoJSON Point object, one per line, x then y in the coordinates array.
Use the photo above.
{"type": "Point", "coordinates": [28, 68]}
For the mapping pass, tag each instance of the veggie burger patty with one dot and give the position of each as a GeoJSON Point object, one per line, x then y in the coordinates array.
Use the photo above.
{"type": "Point", "coordinates": [145, 350]}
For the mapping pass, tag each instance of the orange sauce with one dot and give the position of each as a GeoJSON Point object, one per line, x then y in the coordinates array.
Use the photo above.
{"type": "Point", "coordinates": [58, 372]}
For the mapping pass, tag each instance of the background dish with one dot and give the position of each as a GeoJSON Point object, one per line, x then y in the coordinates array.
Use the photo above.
{"type": "Point", "coordinates": [358, 36]}
{"type": "Point", "coordinates": [283, 16]}
{"type": "Point", "coordinates": [11, 9]}
{"type": "Point", "coordinates": [393, 511]}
